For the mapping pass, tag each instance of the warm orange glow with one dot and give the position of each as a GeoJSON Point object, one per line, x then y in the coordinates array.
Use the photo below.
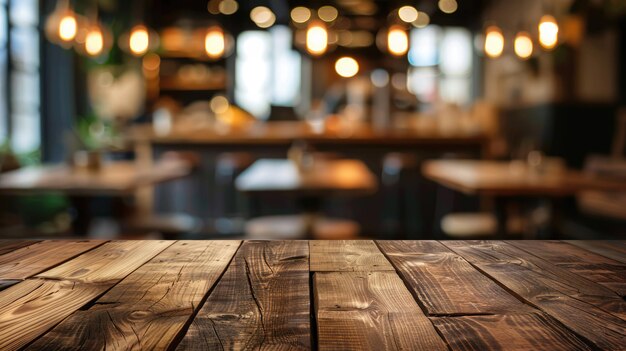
{"type": "Point", "coordinates": [139, 40]}
{"type": "Point", "coordinates": [347, 67]}
{"type": "Point", "coordinates": [397, 41]}
{"type": "Point", "coordinates": [327, 13]}
{"type": "Point", "coordinates": [262, 16]}
{"type": "Point", "coordinates": [94, 42]}
{"type": "Point", "coordinates": [548, 32]}
{"type": "Point", "coordinates": [68, 27]}
{"type": "Point", "coordinates": [316, 39]}
{"type": "Point", "coordinates": [494, 42]}
{"type": "Point", "coordinates": [523, 45]}
{"type": "Point", "coordinates": [448, 6]}
{"type": "Point", "coordinates": [215, 43]}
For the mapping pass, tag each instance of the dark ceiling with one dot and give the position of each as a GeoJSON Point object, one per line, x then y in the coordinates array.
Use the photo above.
{"type": "Point", "coordinates": [160, 13]}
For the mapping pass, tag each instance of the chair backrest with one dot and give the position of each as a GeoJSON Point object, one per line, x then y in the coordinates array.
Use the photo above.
{"type": "Point", "coordinates": [619, 140]}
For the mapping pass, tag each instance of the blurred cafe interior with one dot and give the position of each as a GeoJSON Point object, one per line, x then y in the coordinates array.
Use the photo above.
{"type": "Point", "coordinates": [322, 119]}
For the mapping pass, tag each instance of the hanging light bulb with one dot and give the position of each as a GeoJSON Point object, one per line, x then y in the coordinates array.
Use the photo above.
{"type": "Point", "coordinates": [494, 42]}
{"type": "Point", "coordinates": [139, 40]}
{"type": "Point", "coordinates": [397, 41]}
{"type": "Point", "coordinates": [94, 42]}
{"type": "Point", "coordinates": [347, 67]}
{"type": "Point", "coordinates": [62, 24]}
{"type": "Point", "coordinates": [215, 43]}
{"type": "Point", "coordinates": [548, 32]}
{"type": "Point", "coordinates": [523, 45]}
{"type": "Point", "coordinates": [68, 27]}
{"type": "Point", "coordinates": [316, 38]}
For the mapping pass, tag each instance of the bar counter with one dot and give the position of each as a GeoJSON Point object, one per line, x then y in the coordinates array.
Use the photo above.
{"type": "Point", "coordinates": [300, 295]}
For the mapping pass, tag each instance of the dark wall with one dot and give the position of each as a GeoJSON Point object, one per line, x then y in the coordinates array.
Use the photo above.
{"type": "Point", "coordinates": [57, 95]}
{"type": "Point", "coordinates": [571, 131]}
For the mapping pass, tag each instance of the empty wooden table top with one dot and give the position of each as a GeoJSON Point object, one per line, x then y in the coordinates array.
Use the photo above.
{"type": "Point", "coordinates": [505, 179]}
{"type": "Point", "coordinates": [114, 178]}
{"type": "Point", "coordinates": [300, 295]}
{"type": "Point", "coordinates": [325, 177]}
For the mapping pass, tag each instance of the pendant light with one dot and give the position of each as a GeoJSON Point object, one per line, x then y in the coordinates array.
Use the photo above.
{"type": "Point", "coordinates": [316, 38]}
{"type": "Point", "coordinates": [93, 39]}
{"type": "Point", "coordinates": [548, 32]}
{"type": "Point", "coordinates": [140, 39]}
{"type": "Point", "coordinates": [523, 45]}
{"type": "Point", "coordinates": [494, 42]}
{"type": "Point", "coordinates": [397, 41]}
{"type": "Point", "coordinates": [62, 24]}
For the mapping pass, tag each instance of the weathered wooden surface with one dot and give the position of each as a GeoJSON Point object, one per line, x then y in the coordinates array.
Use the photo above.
{"type": "Point", "coordinates": [261, 302]}
{"type": "Point", "coordinates": [298, 295]}
{"type": "Point", "coordinates": [30, 260]}
{"type": "Point", "coordinates": [347, 255]}
{"type": "Point", "coordinates": [445, 283]}
{"type": "Point", "coordinates": [612, 249]}
{"type": "Point", "coordinates": [507, 332]}
{"type": "Point", "coordinates": [7, 246]}
{"type": "Point", "coordinates": [370, 311]}
{"type": "Point", "coordinates": [600, 269]}
{"type": "Point", "coordinates": [30, 308]}
{"type": "Point", "coordinates": [569, 299]}
{"type": "Point", "coordinates": [155, 302]}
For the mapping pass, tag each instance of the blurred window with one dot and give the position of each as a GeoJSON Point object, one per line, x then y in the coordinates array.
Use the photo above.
{"type": "Point", "coordinates": [267, 71]}
{"type": "Point", "coordinates": [19, 73]}
{"type": "Point", "coordinates": [441, 60]}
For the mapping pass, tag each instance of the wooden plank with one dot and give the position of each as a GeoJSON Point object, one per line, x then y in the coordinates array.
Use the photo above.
{"type": "Point", "coordinates": [347, 255]}
{"type": "Point", "coordinates": [110, 262]}
{"type": "Point", "coordinates": [541, 286]}
{"type": "Point", "coordinates": [30, 260]}
{"type": "Point", "coordinates": [261, 302]}
{"type": "Point", "coordinates": [597, 268]}
{"type": "Point", "coordinates": [612, 249]}
{"type": "Point", "coordinates": [544, 272]}
{"type": "Point", "coordinates": [154, 302]}
{"type": "Point", "coordinates": [30, 308]}
{"type": "Point", "coordinates": [444, 283]}
{"type": "Point", "coordinates": [533, 331]}
{"type": "Point", "coordinates": [370, 311]}
{"type": "Point", "coordinates": [7, 246]}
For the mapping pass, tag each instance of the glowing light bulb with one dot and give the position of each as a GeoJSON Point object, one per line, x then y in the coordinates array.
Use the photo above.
{"type": "Point", "coordinates": [448, 6]}
{"type": "Point", "coordinates": [68, 27]}
{"type": "Point", "coordinates": [494, 42]}
{"type": "Point", "coordinates": [316, 39]}
{"type": "Point", "coordinates": [407, 13]}
{"type": "Point", "coordinates": [347, 67]}
{"type": "Point", "coordinates": [94, 42]}
{"type": "Point", "coordinates": [300, 14]}
{"type": "Point", "coordinates": [397, 41]}
{"type": "Point", "coordinates": [262, 16]}
{"type": "Point", "coordinates": [139, 40]}
{"type": "Point", "coordinates": [327, 13]}
{"type": "Point", "coordinates": [548, 32]}
{"type": "Point", "coordinates": [215, 43]}
{"type": "Point", "coordinates": [523, 45]}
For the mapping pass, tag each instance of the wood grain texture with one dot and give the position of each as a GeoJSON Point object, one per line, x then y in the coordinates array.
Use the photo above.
{"type": "Point", "coordinates": [109, 262]}
{"type": "Point", "coordinates": [149, 307]}
{"type": "Point", "coordinates": [7, 246]}
{"type": "Point", "coordinates": [370, 311]}
{"type": "Point", "coordinates": [347, 255]}
{"type": "Point", "coordinates": [612, 249]}
{"type": "Point", "coordinates": [597, 268]}
{"type": "Point", "coordinates": [444, 283]}
{"type": "Point", "coordinates": [546, 288]}
{"type": "Point", "coordinates": [261, 302]}
{"type": "Point", "coordinates": [517, 332]}
{"type": "Point", "coordinates": [30, 308]}
{"type": "Point", "coordinates": [30, 260]}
